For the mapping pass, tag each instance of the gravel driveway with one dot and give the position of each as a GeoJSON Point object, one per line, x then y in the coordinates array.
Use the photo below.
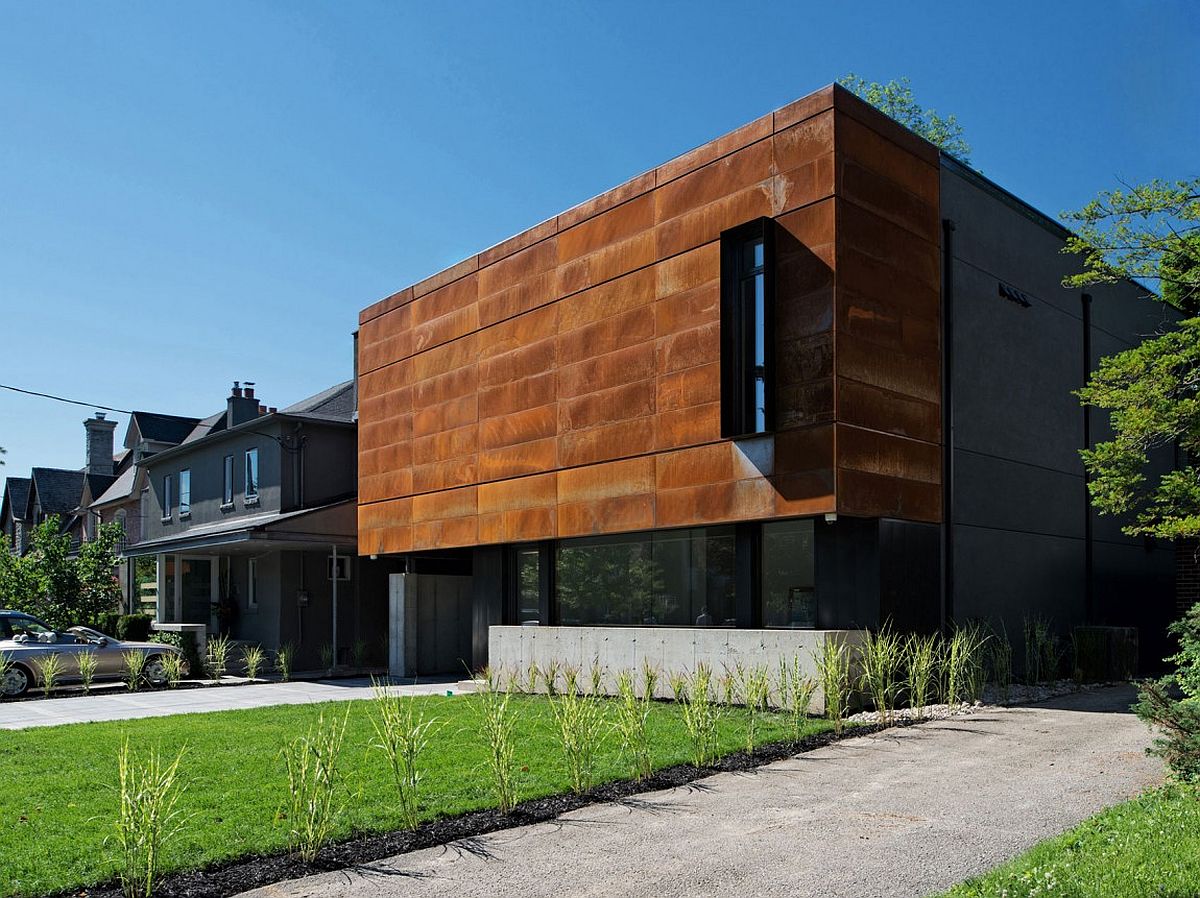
{"type": "Point", "coordinates": [902, 813]}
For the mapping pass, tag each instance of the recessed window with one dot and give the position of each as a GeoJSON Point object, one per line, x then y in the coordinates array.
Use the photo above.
{"type": "Point", "coordinates": [251, 475]}
{"type": "Point", "coordinates": [529, 586]}
{"type": "Point", "coordinates": [747, 335]}
{"type": "Point", "coordinates": [185, 492]}
{"type": "Point", "coordinates": [227, 488]}
{"type": "Point", "coordinates": [252, 584]}
{"type": "Point", "coordinates": [166, 497]}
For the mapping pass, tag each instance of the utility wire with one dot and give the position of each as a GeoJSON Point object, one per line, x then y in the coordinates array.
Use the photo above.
{"type": "Point", "coordinates": [107, 408]}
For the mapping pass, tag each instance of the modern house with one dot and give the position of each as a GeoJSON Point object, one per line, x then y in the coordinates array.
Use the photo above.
{"type": "Point", "coordinates": [251, 519]}
{"type": "Point", "coordinates": [813, 375]}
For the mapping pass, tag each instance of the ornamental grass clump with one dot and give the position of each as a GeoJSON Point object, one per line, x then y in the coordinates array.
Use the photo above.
{"type": "Point", "coordinates": [795, 694]}
{"type": "Point", "coordinates": [880, 658]}
{"type": "Point", "coordinates": [1001, 657]}
{"type": "Point", "coordinates": [678, 681]}
{"type": "Point", "coordinates": [134, 670]}
{"type": "Point", "coordinates": [404, 733]}
{"type": "Point", "coordinates": [580, 721]}
{"type": "Point", "coordinates": [922, 655]}
{"type": "Point", "coordinates": [172, 665]}
{"type": "Point", "coordinates": [6, 664]}
{"type": "Point", "coordinates": [283, 661]}
{"type": "Point", "coordinates": [254, 658]}
{"type": "Point", "coordinates": [50, 671]}
{"type": "Point", "coordinates": [650, 675]}
{"type": "Point", "coordinates": [632, 724]}
{"type": "Point", "coordinates": [833, 670]}
{"type": "Point", "coordinates": [496, 725]}
{"type": "Point", "coordinates": [88, 664]}
{"type": "Point", "coordinates": [596, 679]}
{"type": "Point", "coordinates": [964, 664]}
{"type": "Point", "coordinates": [701, 714]}
{"type": "Point", "coordinates": [216, 657]}
{"type": "Point", "coordinates": [1041, 650]}
{"type": "Point", "coordinates": [313, 779]}
{"type": "Point", "coordinates": [754, 690]}
{"type": "Point", "coordinates": [148, 817]}
{"type": "Point", "coordinates": [550, 677]}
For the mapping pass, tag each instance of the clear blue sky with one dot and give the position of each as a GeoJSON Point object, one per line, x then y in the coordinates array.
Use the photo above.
{"type": "Point", "coordinates": [196, 193]}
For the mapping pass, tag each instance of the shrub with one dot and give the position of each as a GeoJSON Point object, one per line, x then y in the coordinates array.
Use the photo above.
{"type": "Point", "coordinates": [147, 818]}
{"type": "Point", "coordinates": [633, 718]}
{"type": "Point", "coordinates": [880, 658]}
{"type": "Point", "coordinates": [1178, 723]}
{"type": "Point", "coordinates": [313, 777]}
{"type": "Point", "coordinates": [700, 715]}
{"type": "Point", "coordinates": [185, 642]}
{"type": "Point", "coordinates": [217, 657]}
{"type": "Point", "coordinates": [50, 669]}
{"type": "Point", "coordinates": [134, 627]}
{"type": "Point", "coordinates": [922, 654]}
{"type": "Point", "coordinates": [404, 733]}
{"type": "Point", "coordinates": [795, 694]}
{"type": "Point", "coordinates": [1187, 659]}
{"type": "Point", "coordinates": [106, 622]}
{"type": "Point", "coordinates": [254, 657]}
{"type": "Point", "coordinates": [135, 669]}
{"type": "Point", "coordinates": [833, 670]}
{"type": "Point", "coordinates": [283, 661]}
{"type": "Point", "coordinates": [496, 726]}
{"type": "Point", "coordinates": [88, 662]}
{"type": "Point", "coordinates": [579, 719]}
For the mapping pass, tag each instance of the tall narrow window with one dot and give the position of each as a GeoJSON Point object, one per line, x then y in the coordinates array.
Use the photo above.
{"type": "Point", "coordinates": [251, 474]}
{"type": "Point", "coordinates": [747, 335]}
{"type": "Point", "coordinates": [166, 497]}
{"type": "Point", "coordinates": [227, 489]}
{"type": "Point", "coordinates": [185, 492]}
{"type": "Point", "coordinates": [252, 584]}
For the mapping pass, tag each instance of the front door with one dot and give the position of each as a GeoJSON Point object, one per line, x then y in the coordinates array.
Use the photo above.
{"type": "Point", "coordinates": [196, 590]}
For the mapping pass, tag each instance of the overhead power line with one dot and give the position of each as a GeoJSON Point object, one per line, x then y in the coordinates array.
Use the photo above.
{"type": "Point", "coordinates": [107, 408]}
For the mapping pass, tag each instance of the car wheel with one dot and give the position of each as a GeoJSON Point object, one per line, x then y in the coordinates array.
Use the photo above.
{"type": "Point", "coordinates": [154, 672]}
{"type": "Point", "coordinates": [17, 680]}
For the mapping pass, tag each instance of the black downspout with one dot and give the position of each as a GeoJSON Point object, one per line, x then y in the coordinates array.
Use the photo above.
{"type": "Point", "coordinates": [1089, 577]}
{"type": "Point", "coordinates": [947, 423]}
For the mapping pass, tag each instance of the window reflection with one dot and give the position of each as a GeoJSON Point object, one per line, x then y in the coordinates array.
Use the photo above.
{"type": "Point", "coordinates": [788, 574]}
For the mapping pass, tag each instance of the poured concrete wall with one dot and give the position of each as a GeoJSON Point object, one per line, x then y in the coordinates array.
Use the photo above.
{"type": "Point", "coordinates": [671, 650]}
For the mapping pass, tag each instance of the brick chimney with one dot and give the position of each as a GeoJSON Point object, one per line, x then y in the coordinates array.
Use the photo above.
{"type": "Point", "coordinates": [241, 406]}
{"type": "Point", "coordinates": [99, 457]}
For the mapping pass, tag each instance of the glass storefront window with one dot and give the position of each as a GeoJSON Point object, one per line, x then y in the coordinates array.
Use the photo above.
{"type": "Point", "coordinates": [528, 586]}
{"type": "Point", "coordinates": [788, 575]}
{"type": "Point", "coordinates": [681, 578]}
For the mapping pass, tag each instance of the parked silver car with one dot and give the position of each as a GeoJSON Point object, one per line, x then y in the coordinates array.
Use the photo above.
{"type": "Point", "coordinates": [25, 641]}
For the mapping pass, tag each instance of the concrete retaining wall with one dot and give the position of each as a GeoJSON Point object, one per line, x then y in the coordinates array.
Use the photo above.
{"type": "Point", "coordinates": [670, 649]}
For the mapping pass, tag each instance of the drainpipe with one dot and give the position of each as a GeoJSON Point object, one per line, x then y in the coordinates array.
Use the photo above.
{"type": "Point", "coordinates": [1089, 582]}
{"type": "Point", "coordinates": [335, 598]}
{"type": "Point", "coordinates": [947, 610]}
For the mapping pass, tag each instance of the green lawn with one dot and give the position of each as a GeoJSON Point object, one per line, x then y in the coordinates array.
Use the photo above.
{"type": "Point", "coordinates": [1146, 847]}
{"type": "Point", "coordinates": [58, 802]}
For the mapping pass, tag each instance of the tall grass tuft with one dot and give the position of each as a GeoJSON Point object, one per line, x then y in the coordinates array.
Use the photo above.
{"type": "Point", "coordinates": [754, 690]}
{"type": "Point", "coordinates": [313, 779]}
{"type": "Point", "coordinates": [881, 657]}
{"type": "Point", "coordinates": [580, 720]}
{"type": "Point", "coordinates": [50, 671]}
{"type": "Point", "coordinates": [404, 732]}
{"type": "Point", "coordinates": [148, 817]}
{"type": "Point", "coordinates": [1001, 655]}
{"type": "Point", "coordinates": [795, 694]}
{"type": "Point", "coordinates": [88, 663]}
{"type": "Point", "coordinates": [964, 663]}
{"type": "Point", "coordinates": [497, 726]}
{"type": "Point", "coordinates": [922, 655]}
{"type": "Point", "coordinates": [550, 671]}
{"type": "Point", "coordinates": [135, 669]}
{"type": "Point", "coordinates": [6, 664]}
{"type": "Point", "coordinates": [1041, 650]}
{"type": "Point", "coordinates": [833, 670]}
{"type": "Point", "coordinates": [678, 681]}
{"type": "Point", "coordinates": [327, 657]}
{"type": "Point", "coordinates": [172, 665]}
{"type": "Point", "coordinates": [283, 661]}
{"type": "Point", "coordinates": [701, 714]}
{"type": "Point", "coordinates": [254, 658]}
{"type": "Point", "coordinates": [632, 724]}
{"type": "Point", "coordinates": [570, 678]}
{"type": "Point", "coordinates": [650, 676]}
{"type": "Point", "coordinates": [217, 657]}
{"type": "Point", "coordinates": [596, 679]}
{"type": "Point", "coordinates": [531, 678]}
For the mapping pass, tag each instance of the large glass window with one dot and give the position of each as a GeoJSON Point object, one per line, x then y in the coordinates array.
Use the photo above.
{"type": "Point", "coordinates": [789, 574]}
{"type": "Point", "coordinates": [251, 474]}
{"type": "Point", "coordinates": [746, 333]}
{"type": "Point", "coordinates": [185, 492]}
{"type": "Point", "coordinates": [682, 578]}
{"type": "Point", "coordinates": [529, 578]}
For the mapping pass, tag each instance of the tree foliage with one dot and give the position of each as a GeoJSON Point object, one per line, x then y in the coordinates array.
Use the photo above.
{"type": "Point", "coordinates": [896, 99]}
{"type": "Point", "coordinates": [60, 588]}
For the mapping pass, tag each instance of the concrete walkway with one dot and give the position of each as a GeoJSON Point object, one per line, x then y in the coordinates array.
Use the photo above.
{"type": "Point", "coordinates": [131, 705]}
{"type": "Point", "coordinates": [904, 813]}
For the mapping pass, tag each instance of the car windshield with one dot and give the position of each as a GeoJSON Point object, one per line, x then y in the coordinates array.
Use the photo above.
{"type": "Point", "coordinates": [87, 634]}
{"type": "Point", "coordinates": [20, 625]}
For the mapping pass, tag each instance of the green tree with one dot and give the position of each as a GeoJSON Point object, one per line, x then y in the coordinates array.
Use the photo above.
{"type": "Point", "coordinates": [1148, 233]}
{"type": "Point", "coordinates": [896, 99]}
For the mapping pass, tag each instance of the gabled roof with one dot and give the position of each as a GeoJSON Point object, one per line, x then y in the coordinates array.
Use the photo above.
{"type": "Point", "coordinates": [334, 404]}
{"type": "Point", "coordinates": [120, 490]}
{"type": "Point", "coordinates": [57, 491]}
{"type": "Point", "coordinates": [206, 426]}
{"type": "Point", "coordinates": [159, 428]}
{"type": "Point", "coordinates": [97, 484]}
{"type": "Point", "coordinates": [16, 494]}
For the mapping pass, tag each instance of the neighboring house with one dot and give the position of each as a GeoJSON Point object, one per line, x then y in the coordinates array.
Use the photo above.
{"type": "Point", "coordinates": [12, 513]}
{"type": "Point", "coordinates": [813, 375]}
{"type": "Point", "coordinates": [55, 491]}
{"type": "Point", "coordinates": [244, 517]}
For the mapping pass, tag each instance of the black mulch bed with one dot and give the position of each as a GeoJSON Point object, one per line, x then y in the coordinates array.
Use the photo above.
{"type": "Point", "coordinates": [233, 877]}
